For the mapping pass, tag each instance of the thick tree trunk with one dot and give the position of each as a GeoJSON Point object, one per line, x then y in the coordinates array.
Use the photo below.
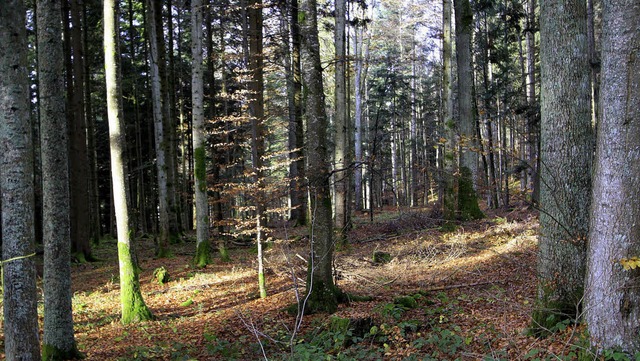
{"type": "Point", "coordinates": [132, 304]}
{"type": "Point", "coordinates": [322, 293]}
{"type": "Point", "coordinates": [612, 292]}
{"type": "Point", "coordinates": [447, 190]}
{"type": "Point", "coordinates": [567, 153]}
{"type": "Point", "coordinates": [16, 160]}
{"type": "Point", "coordinates": [467, 186]}
{"type": "Point", "coordinates": [358, 43]}
{"type": "Point", "coordinates": [58, 341]}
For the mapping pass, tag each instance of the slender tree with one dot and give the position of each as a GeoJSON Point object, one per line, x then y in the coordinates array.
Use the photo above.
{"type": "Point", "coordinates": [255, 63]}
{"type": "Point", "coordinates": [566, 157]}
{"type": "Point", "coordinates": [133, 307]}
{"type": "Point", "coordinates": [58, 341]}
{"type": "Point", "coordinates": [341, 176]}
{"type": "Point", "coordinates": [203, 256]}
{"type": "Point", "coordinates": [297, 195]}
{"type": "Point", "coordinates": [159, 126]}
{"type": "Point", "coordinates": [612, 292]}
{"type": "Point", "coordinates": [323, 294]}
{"type": "Point", "coordinates": [16, 149]}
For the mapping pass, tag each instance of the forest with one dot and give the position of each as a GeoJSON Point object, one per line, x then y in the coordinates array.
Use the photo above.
{"type": "Point", "coordinates": [320, 180]}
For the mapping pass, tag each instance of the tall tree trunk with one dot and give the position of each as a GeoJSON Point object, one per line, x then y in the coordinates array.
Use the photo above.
{"type": "Point", "coordinates": [322, 293]}
{"type": "Point", "coordinates": [467, 186]}
{"type": "Point", "coordinates": [297, 194]}
{"type": "Point", "coordinates": [256, 112]}
{"type": "Point", "coordinates": [79, 160]}
{"type": "Point", "coordinates": [132, 304]}
{"type": "Point", "coordinates": [358, 43]}
{"type": "Point", "coordinates": [161, 146]}
{"type": "Point", "coordinates": [58, 341]}
{"type": "Point", "coordinates": [567, 148]}
{"type": "Point", "coordinates": [16, 158]}
{"type": "Point", "coordinates": [448, 189]}
{"type": "Point", "coordinates": [533, 118]}
{"type": "Point", "coordinates": [203, 256]}
{"type": "Point", "coordinates": [340, 121]}
{"type": "Point", "coordinates": [612, 292]}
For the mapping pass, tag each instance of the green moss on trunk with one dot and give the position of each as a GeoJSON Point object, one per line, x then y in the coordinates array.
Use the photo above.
{"type": "Point", "coordinates": [203, 255]}
{"type": "Point", "coordinates": [262, 285]}
{"type": "Point", "coordinates": [323, 298]}
{"type": "Point", "coordinates": [133, 307]}
{"type": "Point", "coordinates": [552, 310]}
{"type": "Point", "coordinates": [200, 170]}
{"type": "Point", "coordinates": [224, 253]}
{"type": "Point", "coordinates": [52, 353]}
{"type": "Point", "coordinates": [468, 207]}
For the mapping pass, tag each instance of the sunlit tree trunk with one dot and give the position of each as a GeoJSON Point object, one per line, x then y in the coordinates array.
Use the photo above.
{"type": "Point", "coordinates": [321, 290]}
{"type": "Point", "coordinates": [566, 158]}
{"type": "Point", "coordinates": [612, 293]}
{"type": "Point", "coordinates": [203, 256]}
{"type": "Point", "coordinates": [341, 176]}
{"type": "Point", "coordinates": [448, 189]}
{"type": "Point", "coordinates": [162, 167]}
{"type": "Point", "coordinates": [132, 304]}
{"type": "Point", "coordinates": [21, 341]}
{"type": "Point", "coordinates": [467, 186]}
{"type": "Point", "coordinates": [358, 43]}
{"type": "Point", "coordinates": [58, 341]}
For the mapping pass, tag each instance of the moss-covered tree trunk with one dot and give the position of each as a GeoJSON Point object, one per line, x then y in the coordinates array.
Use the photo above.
{"type": "Point", "coordinates": [58, 339]}
{"type": "Point", "coordinates": [16, 160]}
{"type": "Point", "coordinates": [566, 157]}
{"type": "Point", "coordinates": [133, 307]}
{"type": "Point", "coordinates": [321, 290]}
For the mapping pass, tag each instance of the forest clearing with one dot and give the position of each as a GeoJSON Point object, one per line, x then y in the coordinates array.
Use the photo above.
{"type": "Point", "coordinates": [462, 293]}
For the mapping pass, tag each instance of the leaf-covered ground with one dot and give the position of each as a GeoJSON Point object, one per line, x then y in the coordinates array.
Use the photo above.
{"type": "Point", "coordinates": [463, 292]}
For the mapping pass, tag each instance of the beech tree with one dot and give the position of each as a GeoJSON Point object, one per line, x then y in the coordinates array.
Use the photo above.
{"type": "Point", "coordinates": [612, 290]}
{"type": "Point", "coordinates": [132, 304]}
{"type": "Point", "coordinates": [341, 176]}
{"type": "Point", "coordinates": [566, 158]}
{"type": "Point", "coordinates": [58, 340]}
{"type": "Point", "coordinates": [21, 341]}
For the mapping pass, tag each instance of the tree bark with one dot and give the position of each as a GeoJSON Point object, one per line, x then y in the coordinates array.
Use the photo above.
{"type": "Point", "coordinates": [612, 293]}
{"type": "Point", "coordinates": [322, 293]}
{"type": "Point", "coordinates": [566, 156]}
{"type": "Point", "coordinates": [203, 255]}
{"type": "Point", "coordinates": [161, 146]}
{"type": "Point", "coordinates": [16, 148]}
{"type": "Point", "coordinates": [58, 341]}
{"type": "Point", "coordinates": [467, 186]}
{"type": "Point", "coordinates": [132, 304]}
{"type": "Point", "coordinates": [340, 176]}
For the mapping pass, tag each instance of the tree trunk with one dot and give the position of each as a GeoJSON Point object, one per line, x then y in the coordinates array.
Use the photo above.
{"type": "Point", "coordinates": [566, 155]}
{"type": "Point", "coordinates": [322, 293]}
{"type": "Point", "coordinates": [612, 292]}
{"type": "Point", "coordinates": [132, 304]}
{"type": "Point", "coordinates": [448, 189]}
{"type": "Point", "coordinates": [256, 112]}
{"type": "Point", "coordinates": [162, 245]}
{"type": "Point", "coordinates": [58, 341]}
{"type": "Point", "coordinates": [340, 176]}
{"type": "Point", "coordinates": [467, 186]}
{"type": "Point", "coordinates": [18, 271]}
{"type": "Point", "coordinates": [203, 256]}
{"type": "Point", "coordinates": [358, 43]}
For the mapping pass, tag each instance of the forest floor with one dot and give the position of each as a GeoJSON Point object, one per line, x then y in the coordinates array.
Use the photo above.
{"type": "Point", "coordinates": [464, 292]}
